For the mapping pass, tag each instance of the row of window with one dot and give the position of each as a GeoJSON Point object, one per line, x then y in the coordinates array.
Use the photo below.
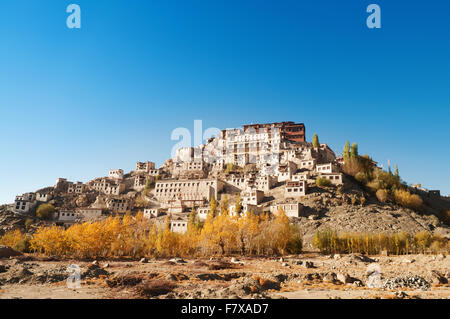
{"type": "Point", "coordinates": [295, 190]}
{"type": "Point", "coordinates": [68, 214]}
{"type": "Point", "coordinates": [186, 184]}
{"type": "Point", "coordinates": [331, 177]}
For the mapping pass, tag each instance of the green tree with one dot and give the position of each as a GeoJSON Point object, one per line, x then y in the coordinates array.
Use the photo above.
{"type": "Point", "coordinates": [193, 220]}
{"type": "Point", "coordinates": [396, 172]}
{"type": "Point", "coordinates": [229, 167]}
{"type": "Point", "coordinates": [346, 153]}
{"type": "Point", "coordinates": [238, 206]}
{"type": "Point", "coordinates": [354, 151]}
{"type": "Point", "coordinates": [316, 143]}
{"type": "Point", "coordinates": [321, 181]}
{"type": "Point", "coordinates": [212, 207]}
{"type": "Point", "coordinates": [147, 186]}
{"type": "Point", "coordinates": [28, 222]}
{"type": "Point", "coordinates": [45, 211]}
{"type": "Point", "coordinates": [224, 205]}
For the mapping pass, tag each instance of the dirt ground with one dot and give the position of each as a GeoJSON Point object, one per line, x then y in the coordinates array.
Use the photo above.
{"type": "Point", "coordinates": [306, 276]}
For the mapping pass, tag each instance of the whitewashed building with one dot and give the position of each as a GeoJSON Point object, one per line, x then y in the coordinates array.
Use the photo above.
{"type": "Point", "coordinates": [295, 189]}
{"type": "Point", "coordinates": [291, 208]}
{"type": "Point", "coordinates": [116, 174]}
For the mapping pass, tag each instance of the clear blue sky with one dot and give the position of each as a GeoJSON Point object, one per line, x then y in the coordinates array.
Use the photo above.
{"type": "Point", "coordinates": [76, 103]}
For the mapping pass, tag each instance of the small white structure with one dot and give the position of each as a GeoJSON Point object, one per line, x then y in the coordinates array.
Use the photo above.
{"type": "Point", "coordinates": [237, 181]}
{"type": "Point", "coordinates": [117, 204]}
{"type": "Point", "coordinates": [336, 179]}
{"type": "Point", "coordinates": [153, 172]}
{"type": "Point", "coordinates": [178, 226]}
{"type": "Point", "coordinates": [43, 195]}
{"type": "Point", "coordinates": [308, 164]}
{"type": "Point", "coordinates": [202, 213]}
{"type": "Point", "coordinates": [67, 216]}
{"type": "Point", "coordinates": [89, 214]}
{"type": "Point", "coordinates": [140, 181]}
{"type": "Point", "coordinates": [295, 189]}
{"type": "Point", "coordinates": [107, 186]}
{"type": "Point", "coordinates": [152, 212]}
{"type": "Point", "coordinates": [116, 174]}
{"type": "Point", "coordinates": [303, 176]}
{"type": "Point", "coordinates": [75, 188]}
{"type": "Point", "coordinates": [286, 171]}
{"type": "Point", "coordinates": [255, 209]}
{"type": "Point", "coordinates": [265, 183]}
{"type": "Point", "coordinates": [145, 166]}
{"type": "Point", "coordinates": [292, 209]}
{"type": "Point", "coordinates": [325, 168]}
{"type": "Point", "coordinates": [252, 196]}
{"type": "Point", "coordinates": [24, 203]}
{"type": "Point", "coordinates": [175, 206]}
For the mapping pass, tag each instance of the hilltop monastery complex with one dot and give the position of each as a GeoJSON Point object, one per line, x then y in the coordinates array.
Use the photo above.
{"type": "Point", "coordinates": [268, 165]}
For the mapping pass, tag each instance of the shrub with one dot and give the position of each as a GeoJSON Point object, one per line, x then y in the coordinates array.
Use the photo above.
{"type": "Point", "coordinates": [352, 166]}
{"type": "Point", "coordinates": [362, 178]}
{"type": "Point", "coordinates": [45, 211]}
{"type": "Point", "coordinates": [422, 240]}
{"type": "Point", "coordinates": [24, 245]}
{"type": "Point", "coordinates": [385, 180]}
{"type": "Point", "coordinates": [28, 222]}
{"type": "Point", "coordinates": [382, 195]}
{"type": "Point", "coordinates": [140, 202]}
{"type": "Point", "coordinates": [230, 167]}
{"type": "Point", "coordinates": [12, 238]}
{"type": "Point", "coordinates": [406, 199]}
{"type": "Point", "coordinates": [320, 181]}
{"type": "Point", "coordinates": [295, 243]}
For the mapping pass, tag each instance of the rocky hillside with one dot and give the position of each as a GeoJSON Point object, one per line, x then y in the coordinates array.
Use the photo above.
{"type": "Point", "coordinates": [353, 209]}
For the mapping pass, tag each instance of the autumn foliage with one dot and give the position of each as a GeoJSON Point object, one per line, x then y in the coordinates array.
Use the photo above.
{"type": "Point", "coordinates": [136, 236]}
{"type": "Point", "coordinates": [372, 244]}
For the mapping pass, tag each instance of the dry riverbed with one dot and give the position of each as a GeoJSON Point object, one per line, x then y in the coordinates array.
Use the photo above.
{"type": "Point", "coordinates": [300, 276]}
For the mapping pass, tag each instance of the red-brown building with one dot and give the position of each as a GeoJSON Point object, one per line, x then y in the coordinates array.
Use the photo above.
{"type": "Point", "coordinates": [290, 131]}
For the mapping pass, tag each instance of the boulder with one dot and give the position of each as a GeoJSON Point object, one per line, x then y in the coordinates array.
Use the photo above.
{"type": "Point", "coordinates": [344, 278]}
{"type": "Point", "coordinates": [6, 252]}
{"type": "Point", "coordinates": [401, 294]}
{"type": "Point", "coordinates": [438, 278]}
{"type": "Point", "coordinates": [408, 261]}
{"type": "Point", "coordinates": [330, 278]}
{"type": "Point", "coordinates": [177, 260]}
